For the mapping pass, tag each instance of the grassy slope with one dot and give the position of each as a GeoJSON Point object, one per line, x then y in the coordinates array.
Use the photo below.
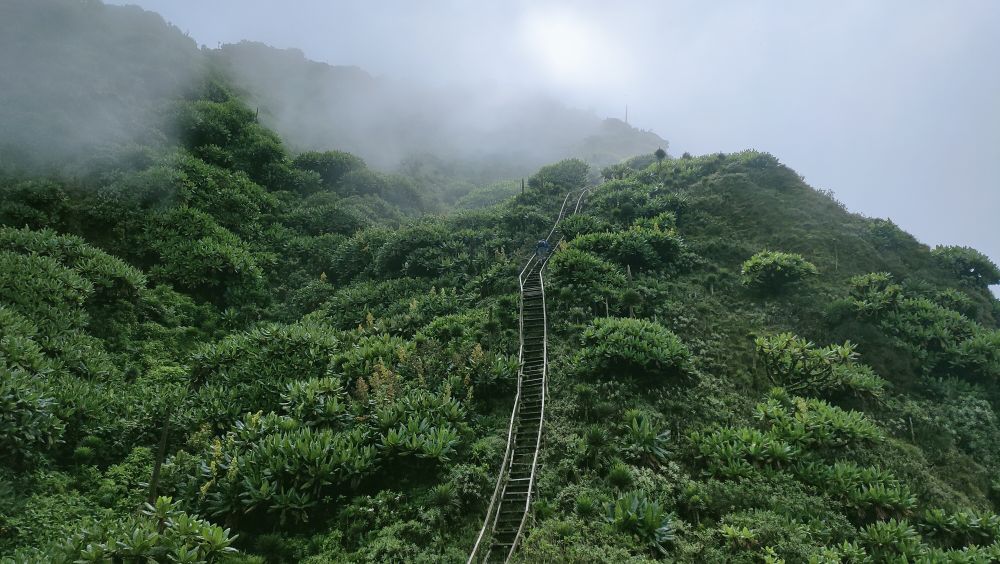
{"type": "Point", "coordinates": [730, 207]}
{"type": "Point", "coordinates": [347, 257]}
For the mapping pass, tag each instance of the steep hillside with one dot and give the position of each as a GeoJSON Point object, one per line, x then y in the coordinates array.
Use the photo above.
{"type": "Point", "coordinates": [213, 349]}
{"type": "Point", "coordinates": [83, 78]}
{"type": "Point", "coordinates": [80, 77]}
{"type": "Point", "coordinates": [314, 105]}
{"type": "Point", "coordinates": [331, 388]}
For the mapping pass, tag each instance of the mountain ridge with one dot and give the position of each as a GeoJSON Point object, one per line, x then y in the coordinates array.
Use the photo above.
{"type": "Point", "coordinates": [93, 61]}
{"type": "Point", "coordinates": [317, 360]}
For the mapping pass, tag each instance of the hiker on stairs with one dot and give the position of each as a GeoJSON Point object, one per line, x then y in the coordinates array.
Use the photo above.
{"type": "Point", "coordinates": [542, 249]}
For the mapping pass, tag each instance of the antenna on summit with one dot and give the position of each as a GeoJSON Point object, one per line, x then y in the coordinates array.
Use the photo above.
{"type": "Point", "coordinates": [626, 114]}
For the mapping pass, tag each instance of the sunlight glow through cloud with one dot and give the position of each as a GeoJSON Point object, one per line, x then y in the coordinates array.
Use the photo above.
{"type": "Point", "coordinates": [854, 95]}
{"type": "Point", "coordinates": [570, 50]}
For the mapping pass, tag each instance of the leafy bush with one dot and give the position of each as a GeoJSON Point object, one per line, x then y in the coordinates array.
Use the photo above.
{"type": "Point", "coordinates": [357, 254]}
{"type": "Point", "coordinates": [979, 357]}
{"type": "Point", "coordinates": [233, 200]}
{"type": "Point", "coordinates": [582, 279]}
{"type": "Point", "coordinates": [199, 255]}
{"type": "Point", "coordinates": [563, 176]}
{"type": "Point", "coordinates": [63, 284]}
{"type": "Point", "coordinates": [768, 535]}
{"type": "Point", "coordinates": [968, 264]}
{"type": "Point", "coordinates": [324, 444]}
{"type": "Point", "coordinates": [253, 368]}
{"type": "Point", "coordinates": [162, 533]}
{"type": "Point", "coordinates": [798, 436]}
{"type": "Point", "coordinates": [28, 424]}
{"type": "Point", "coordinates": [892, 539]}
{"type": "Point", "coordinates": [317, 402]}
{"type": "Point", "coordinates": [428, 249]}
{"type": "Point", "coordinates": [961, 528]}
{"type": "Point", "coordinates": [45, 291]}
{"type": "Point", "coordinates": [272, 465]}
{"type": "Point", "coordinates": [396, 190]}
{"type": "Point", "coordinates": [322, 219]}
{"type": "Point", "coordinates": [645, 519]}
{"type": "Point", "coordinates": [226, 133]}
{"type": "Point", "coordinates": [815, 423]}
{"type": "Point", "coordinates": [19, 345]}
{"type": "Point", "coordinates": [874, 294]}
{"type": "Point", "coordinates": [643, 441]}
{"type": "Point", "coordinates": [773, 271]}
{"type": "Point", "coordinates": [956, 300]}
{"type": "Point", "coordinates": [873, 493]}
{"type": "Point", "coordinates": [330, 165]}
{"type": "Point", "coordinates": [632, 347]}
{"type": "Point", "coordinates": [581, 540]}
{"type": "Point", "coordinates": [581, 224]}
{"type": "Point", "coordinates": [620, 476]}
{"type": "Point", "coordinates": [34, 203]}
{"type": "Point", "coordinates": [734, 452]}
{"type": "Point", "coordinates": [944, 340]}
{"type": "Point", "coordinates": [374, 355]}
{"type": "Point", "coordinates": [799, 366]}
{"type": "Point", "coordinates": [638, 247]}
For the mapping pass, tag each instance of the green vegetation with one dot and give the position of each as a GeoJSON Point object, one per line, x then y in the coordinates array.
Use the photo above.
{"type": "Point", "coordinates": [631, 347]}
{"type": "Point", "coordinates": [327, 355]}
{"type": "Point", "coordinates": [771, 272]}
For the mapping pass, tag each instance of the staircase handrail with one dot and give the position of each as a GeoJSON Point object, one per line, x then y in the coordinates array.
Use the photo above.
{"type": "Point", "coordinates": [491, 514]}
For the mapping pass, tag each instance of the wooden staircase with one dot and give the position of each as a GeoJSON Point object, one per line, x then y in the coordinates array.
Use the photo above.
{"type": "Point", "coordinates": [511, 503]}
{"type": "Point", "coordinates": [519, 484]}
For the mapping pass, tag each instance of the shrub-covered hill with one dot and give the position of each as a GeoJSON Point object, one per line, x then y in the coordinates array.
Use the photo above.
{"type": "Point", "coordinates": [747, 372]}
{"type": "Point", "coordinates": [742, 370]}
{"type": "Point", "coordinates": [84, 81]}
{"type": "Point", "coordinates": [473, 133]}
{"type": "Point", "coordinates": [323, 358]}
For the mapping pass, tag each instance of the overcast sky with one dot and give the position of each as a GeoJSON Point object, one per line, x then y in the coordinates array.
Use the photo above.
{"type": "Point", "coordinates": [893, 105]}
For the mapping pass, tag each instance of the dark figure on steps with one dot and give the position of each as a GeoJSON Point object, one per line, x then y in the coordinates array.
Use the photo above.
{"type": "Point", "coordinates": [542, 249]}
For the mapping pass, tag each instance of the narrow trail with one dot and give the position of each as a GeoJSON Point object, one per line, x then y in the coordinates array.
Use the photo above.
{"type": "Point", "coordinates": [510, 505]}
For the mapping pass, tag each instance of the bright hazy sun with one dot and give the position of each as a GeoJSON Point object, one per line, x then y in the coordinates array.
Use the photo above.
{"type": "Point", "coordinates": [567, 48]}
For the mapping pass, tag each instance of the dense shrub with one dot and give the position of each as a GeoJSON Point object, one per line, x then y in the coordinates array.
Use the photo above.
{"type": "Point", "coordinates": [772, 271]}
{"type": "Point", "coordinates": [800, 366]}
{"type": "Point", "coordinates": [35, 204]}
{"type": "Point", "coordinates": [396, 190]}
{"type": "Point", "coordinates": [293, 465]}
{"type": "Point", "coordinates": [583, 540]}
{"type": "Point", "coordinates": [233, 200]}
{"type": "Point", "coordinates": [429, 249]}
{"type": "Point", "coordinates": [632, 347]}
{"type": "Point", "coordinates": [50, 272]}
{"type": "Point", "coordinates": [198, 255]}
{"type": "Point", "coordinates": [45, 291]}
{"type": "Point", "coordinates": [322, 219]}
{"type": "Point", "coordinates": [874, 294]}
{"type": "Point", "coordinates": [29, 427]}
{"type": "Point", "coordinates": [357, 254]}
{"type": "Point", "coordinates": [942, 339]}
{"type": "Point", "coordinates": [330, 165]}
{"type": "Point", "coordinates": [978, 357]}
{"type": "Point", "coordinates": [562, 176]}
{"type": "Point", "coordinates": [251, 369]}
{"type": "Point", "coordinates": [163, 532]}
{"type": "Point", "coordinates": [647, 520]}
{"type": "Point", "coordinates": [582, 279]}
{"type": "Point", "coordinates": [227, 134]}
{"type": "Point", "coordinates": [581, 224]}
{"type": "Point", "coordinates": [968, 264]}
{"type": "Point", "coordinates": [639, 247]}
